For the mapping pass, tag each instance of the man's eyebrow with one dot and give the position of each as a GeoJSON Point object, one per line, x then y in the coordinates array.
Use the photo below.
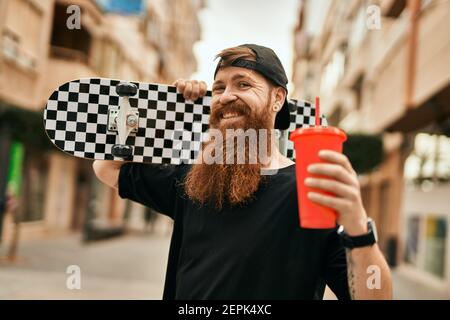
{"type": "Point", "coordinates": [239, 76]}
{"type": "Point", "coordinates": [235, 77]}
{"type": "Point", "coordinates": [217, 82]}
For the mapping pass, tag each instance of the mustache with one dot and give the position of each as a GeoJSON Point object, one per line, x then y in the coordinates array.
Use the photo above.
{"type": "Point", "coordinates": [236, 106]}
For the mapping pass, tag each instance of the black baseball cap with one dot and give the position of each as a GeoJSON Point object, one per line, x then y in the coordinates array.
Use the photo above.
{"type": "Point", "coordinates": [269, 65]}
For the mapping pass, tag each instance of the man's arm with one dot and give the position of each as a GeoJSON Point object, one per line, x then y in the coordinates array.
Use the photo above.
{"type": "Point", "coordinates": [107, 171]}
{"type": "Point", "coordinates": [363, 264]}
{"type": "Point", "coordinates": [369, 277]}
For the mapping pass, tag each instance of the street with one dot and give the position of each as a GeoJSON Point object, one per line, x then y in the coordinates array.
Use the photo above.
{"type": "Point", "coordinates": [128, 267]}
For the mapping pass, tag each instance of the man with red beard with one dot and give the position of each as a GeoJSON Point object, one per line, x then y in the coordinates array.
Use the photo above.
{"type": "Point", "coordinates": [236, 226]}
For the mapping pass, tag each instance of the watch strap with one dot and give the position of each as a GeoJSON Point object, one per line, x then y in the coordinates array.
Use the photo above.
{"type": "Point", "coordinates": [364, 240]}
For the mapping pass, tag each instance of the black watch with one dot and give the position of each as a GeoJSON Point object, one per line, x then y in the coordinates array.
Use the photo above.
{"type": "Point", "coordinates": [364, 240]}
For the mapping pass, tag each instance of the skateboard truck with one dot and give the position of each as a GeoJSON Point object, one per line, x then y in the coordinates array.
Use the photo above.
{"type": "Point", "coordinates": [124, 120]}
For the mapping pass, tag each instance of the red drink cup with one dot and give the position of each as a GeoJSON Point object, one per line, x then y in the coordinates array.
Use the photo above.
{"type": "Point", "coordinates": [307, 143]}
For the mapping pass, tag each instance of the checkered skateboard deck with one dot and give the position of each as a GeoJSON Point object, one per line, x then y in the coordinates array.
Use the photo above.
{"type": "Point", "coordinates": [78, 120]}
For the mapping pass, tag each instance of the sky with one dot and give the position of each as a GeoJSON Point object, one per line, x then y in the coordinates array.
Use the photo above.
{"type": "Point", "coordinates": [233, 22]}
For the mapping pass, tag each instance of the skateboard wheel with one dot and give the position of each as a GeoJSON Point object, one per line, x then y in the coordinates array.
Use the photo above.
{"type": "Point", "coordinates": [122, 151]}
{"type": "Point", "coordinates": [124, 89]}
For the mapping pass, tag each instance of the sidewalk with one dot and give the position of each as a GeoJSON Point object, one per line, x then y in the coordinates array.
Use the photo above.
{"type": "Point", "coordinates": [406, 288]}
{"type": "Point", "coordinates": [128, 267]}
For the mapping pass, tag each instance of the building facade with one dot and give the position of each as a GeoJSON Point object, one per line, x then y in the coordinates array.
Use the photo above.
{"type": "Point", "coordinates": [39, 50]}
{"type": "Point", "coordinates": [383, 67]}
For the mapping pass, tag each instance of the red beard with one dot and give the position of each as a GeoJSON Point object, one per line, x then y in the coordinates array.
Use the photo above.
{"type": "Point", "coordinates": [235, 183]}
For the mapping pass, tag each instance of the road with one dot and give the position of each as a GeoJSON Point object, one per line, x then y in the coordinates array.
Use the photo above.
{"type": "Point", "coordinates": [127, 267]}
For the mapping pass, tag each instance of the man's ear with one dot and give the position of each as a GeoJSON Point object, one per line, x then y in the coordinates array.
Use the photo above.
{"type": "Point", "coordinates": [278, 96]}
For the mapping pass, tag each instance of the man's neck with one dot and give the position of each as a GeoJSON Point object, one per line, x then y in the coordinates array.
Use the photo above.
{"type": "Point", "coordinates": [278, 161]}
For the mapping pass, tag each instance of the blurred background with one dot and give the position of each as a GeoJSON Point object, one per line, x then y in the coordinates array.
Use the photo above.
{"type": "Point", "coordinates": [380, 67]}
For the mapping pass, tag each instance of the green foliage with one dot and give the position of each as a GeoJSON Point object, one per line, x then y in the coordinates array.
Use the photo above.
{"type": "Point", "coordinates": [364, 151]}
{"type": "Point", "coordinates": [25, 126]}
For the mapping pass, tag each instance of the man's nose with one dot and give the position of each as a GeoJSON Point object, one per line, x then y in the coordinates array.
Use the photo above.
{"type": "Point", "coordinates": [227, 96]}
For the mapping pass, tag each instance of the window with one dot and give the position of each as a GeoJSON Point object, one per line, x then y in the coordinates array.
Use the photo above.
{"type": "Point", "coordinates": [34, 186]}
{"type": "Point", "coordinates": [22, 35]}
{"type": "Point", "coordinates": [396, 8]}
{"type": "Point", "coordinates": [358, 28]}
{"type": "Point", "coordinates": [429, 162]}
{"type": "Point", "coordinates": [412, 241]}
{"type": "Point", "coordinates": [426, 243]}
{"type": "Point", "coordinates": [11, 44]}
{"type": "Point", "coordinates": [358, 90]}
{"type": "Point", "coordinates": [69, 44]}
{"type": "Point", "coordinates": [435, 238]}
{"type": "Point", "coordinates": [333, 72]}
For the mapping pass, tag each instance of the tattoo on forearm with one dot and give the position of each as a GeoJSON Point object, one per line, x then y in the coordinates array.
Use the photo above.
{"type": "Point", "coordinates": [350, 275]}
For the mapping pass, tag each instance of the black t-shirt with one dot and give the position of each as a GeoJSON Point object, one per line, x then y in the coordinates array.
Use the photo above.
{"type": "Point", "coordinates": [254, 252]}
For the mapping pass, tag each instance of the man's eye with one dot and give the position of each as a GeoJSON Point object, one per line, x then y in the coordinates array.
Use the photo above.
{"type": "Point", "coordinates": [217, 89]}
{"type": "Point", "coordinates": [244, 85]}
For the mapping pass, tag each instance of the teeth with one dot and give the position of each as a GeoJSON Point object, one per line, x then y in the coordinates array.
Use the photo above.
{"type": "Point", "coordinates": [230, 115]}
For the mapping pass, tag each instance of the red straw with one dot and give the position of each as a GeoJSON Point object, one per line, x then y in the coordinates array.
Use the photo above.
{"type": "Point", "coordinates": [317, 112]}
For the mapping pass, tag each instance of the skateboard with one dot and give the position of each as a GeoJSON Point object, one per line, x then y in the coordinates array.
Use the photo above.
{"type": "Point", "coordinates": [108, 119]}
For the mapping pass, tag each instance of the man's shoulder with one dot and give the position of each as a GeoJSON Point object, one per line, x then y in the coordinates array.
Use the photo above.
{"type": "Point", "coordinates": [152, 168]}
{"type": "Point", "coordinates": [182, 169]}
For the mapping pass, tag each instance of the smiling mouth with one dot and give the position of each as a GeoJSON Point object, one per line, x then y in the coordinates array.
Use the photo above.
{"type": "Point", "coordinates": [231, 115]}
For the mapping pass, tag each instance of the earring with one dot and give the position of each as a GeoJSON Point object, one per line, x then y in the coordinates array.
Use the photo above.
{"type": "Point", "coordinates": [276, 107]}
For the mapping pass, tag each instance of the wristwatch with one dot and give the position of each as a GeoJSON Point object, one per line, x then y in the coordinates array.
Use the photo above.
{"type": "Point", "coordinates": [364, 240]}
